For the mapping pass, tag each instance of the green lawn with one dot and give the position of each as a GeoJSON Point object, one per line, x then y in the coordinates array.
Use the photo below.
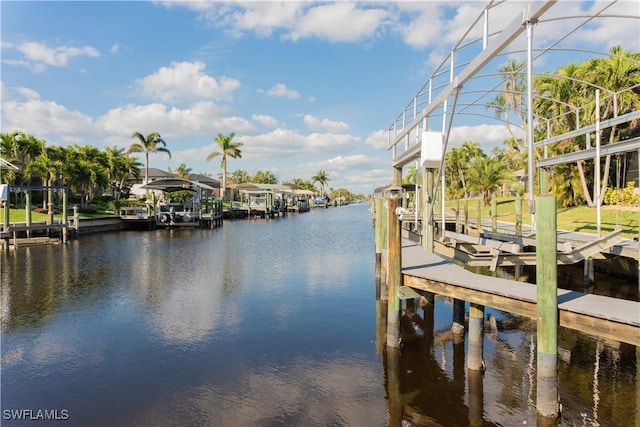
{"type": "Point", "coordinates": [19, 215]}
{"type": "Point", "coordinates": [582, 218]}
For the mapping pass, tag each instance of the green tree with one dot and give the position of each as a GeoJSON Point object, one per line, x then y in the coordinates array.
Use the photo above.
{"type": "Point", "coordinates": [486, 175]}
{"type": "Point", "coordinates": [228, 148]}
{"type": "Point", "coordinates": [511, 97]}
{"type": "Point", "coordinates": [239, 176]}
{"type": "Point", "coordinates": [322, 178]}
{"type": "Point", "coordinates": [152, 143]}
{"type": "Point", "coordinates": [183, 171]}
{"type": "Point", "coordinates": [264, 177]}
{"type": "Point", "coordinates": [20, 150]}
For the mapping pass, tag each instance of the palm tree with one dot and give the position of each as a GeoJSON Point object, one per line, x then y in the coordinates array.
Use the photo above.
{"type": "Point", "coordinates": [486, 175]}
{"type": "Point", "coordinates": [183, 171]}
{"type": "Point", "coordinates": [228, 148]}
{"type": "Point", "coordinates": [322, 178]}
{"type": "Point", "coordinates": [152, 143]}
{"type": "Point", "coordinates": [618, 72]}
{"type": "Point", "coordinates": [511, 96]}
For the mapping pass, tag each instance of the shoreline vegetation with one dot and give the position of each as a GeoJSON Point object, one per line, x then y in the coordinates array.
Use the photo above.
{"type": "Point", "coordinates": [580, 218]}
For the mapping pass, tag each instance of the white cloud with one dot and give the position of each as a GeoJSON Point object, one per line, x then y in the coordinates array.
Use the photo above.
{"type": "Point", "coordinates": [36, 68]}
{"type": "Point", "coordinates": [378, 139]}
{"type": "Point", "coordinates": [266, 120]}
{"type": "Point", "coordinates": [115, 48]}
{"type": "Point", "coordinates": [264, 17]}
{"type": "Point", "coordinates": [281, 91]}
{"type": "Point", "coordinates": [47, 118]}
{"type": "Point", "coordinates": [315, 124]}
{"type": "Point", "coordinates": [203, 118]}
{"type": "Point", "coordinates": [57, 56]}
{"type": "Point", "coordinates": [290, 143]}
{"type": "Point", "coordinates": [186, 80]}
{"type": "Point", "coordinates": [339, 21]}
{"type": "Point", "coordinates": [488, 136]}
{"type": "Point", "coordinates": [27, 93]}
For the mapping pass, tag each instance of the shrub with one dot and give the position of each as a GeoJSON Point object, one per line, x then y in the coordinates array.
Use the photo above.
{"type": "Point", "coordinates": [624, 197]}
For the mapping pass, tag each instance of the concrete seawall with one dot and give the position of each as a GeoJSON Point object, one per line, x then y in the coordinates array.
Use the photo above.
{"type": "Point", "coordinates": [99, 225]}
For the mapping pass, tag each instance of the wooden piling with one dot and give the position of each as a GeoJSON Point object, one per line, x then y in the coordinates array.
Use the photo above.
{"type": "Point", "coordinates": [377, 208]}
{"type": "Point", "coordinates": [476, 398]}
{"type": "Point", "coordinates": [458, 219]}
{"type": "Point", "coordinates": [65, 216]}
{"type": "Point", "coordinates": [457, 326]}
{"type": "Point", "coordinates": [547, 308]}
{"type": "Point", "coordinates": [518, 216]}
{"type": "Point", "coordinates": [479, 217]}
{"type": "Point", "coordinates": [394, 273]}
{"type": "Point", "coordinates": [494, 214]}
{"type": "Point", "coordinates": [466, 216]}
{"type": "Point", "coordinates": [475, 360]}
{"type": "Point", "coordinates": [394, 396]}
{"type": "Point", "coordinates": [589, 274]}
{"type": "Point", "coordinates": [27, 211]}
{"type": "Point", "coordinates": [50, 210]}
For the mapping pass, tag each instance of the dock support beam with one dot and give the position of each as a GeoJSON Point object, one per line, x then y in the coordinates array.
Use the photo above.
{"type": "Point", "coordinates": [547, 309]}
{"type": "Point", "coordinates": [394, 273]}
{"type": "Point", "coordinates": [475, 360]}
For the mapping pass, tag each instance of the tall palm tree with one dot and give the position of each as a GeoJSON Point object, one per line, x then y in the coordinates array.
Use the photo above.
{"type": "Point", "coordinates": [152, 143]}
{"type": "Point", "coordinates": [228, 148]}
{"type": "Point", "coordinates": [512, 95]}
{"type": "Point", "coordinates": [322, 178]}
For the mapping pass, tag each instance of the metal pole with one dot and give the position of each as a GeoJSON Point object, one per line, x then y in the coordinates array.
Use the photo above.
{"type": "Point", "coordinates": [530, 169]}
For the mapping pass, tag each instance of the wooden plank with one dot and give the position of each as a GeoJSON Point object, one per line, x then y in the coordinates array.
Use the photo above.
{"type": "Point", "coordinates": [607, 317]}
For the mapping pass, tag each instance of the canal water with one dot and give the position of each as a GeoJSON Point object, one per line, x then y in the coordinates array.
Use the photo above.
{"type": "Point", "coordinates": [265, 323]}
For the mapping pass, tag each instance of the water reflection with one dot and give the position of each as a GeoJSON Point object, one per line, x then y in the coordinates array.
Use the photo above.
{"type": "Point", "coordinates": [267, 322]}
{"type": "Point", "coordinates": [428, 383]}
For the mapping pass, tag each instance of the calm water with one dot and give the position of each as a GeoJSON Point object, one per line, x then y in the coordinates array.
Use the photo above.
{"type": "Point", "coordinates": [265, 322]}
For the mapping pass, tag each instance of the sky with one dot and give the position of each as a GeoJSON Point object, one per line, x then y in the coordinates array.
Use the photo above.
{"type": "Point", "coordinates": [305, 86]}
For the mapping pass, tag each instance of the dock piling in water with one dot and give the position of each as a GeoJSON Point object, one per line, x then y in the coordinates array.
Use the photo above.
{"type": "Point", "coordinates": [547, 308]}
{"type": "Point", "coordinates": [476, 336]}
{"type": "Point", "coordinates": [394, 273]}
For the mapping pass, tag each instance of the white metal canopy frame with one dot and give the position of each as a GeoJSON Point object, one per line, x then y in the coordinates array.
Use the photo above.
{"type": "Point", "coordinates": [467, 80]}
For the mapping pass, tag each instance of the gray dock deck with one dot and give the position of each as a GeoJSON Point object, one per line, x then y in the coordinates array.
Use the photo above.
{"type": "Point", "coordinates": [607, 317]}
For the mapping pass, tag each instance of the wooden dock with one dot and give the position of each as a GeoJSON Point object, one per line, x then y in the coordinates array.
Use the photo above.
{"type": "Point", "coordinates": [601, 316]}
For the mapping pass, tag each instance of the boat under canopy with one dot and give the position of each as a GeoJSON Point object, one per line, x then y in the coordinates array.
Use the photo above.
{"type": "Point", "coordinates": [169, 213]}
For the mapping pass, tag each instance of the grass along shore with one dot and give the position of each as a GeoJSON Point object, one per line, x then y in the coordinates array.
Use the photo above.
{"type": "Point", "coordinates": [581, 218]}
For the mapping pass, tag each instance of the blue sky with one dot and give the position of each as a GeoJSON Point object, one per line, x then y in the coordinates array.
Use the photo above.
{"type": "Point", "coordinates": [305, 86]}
